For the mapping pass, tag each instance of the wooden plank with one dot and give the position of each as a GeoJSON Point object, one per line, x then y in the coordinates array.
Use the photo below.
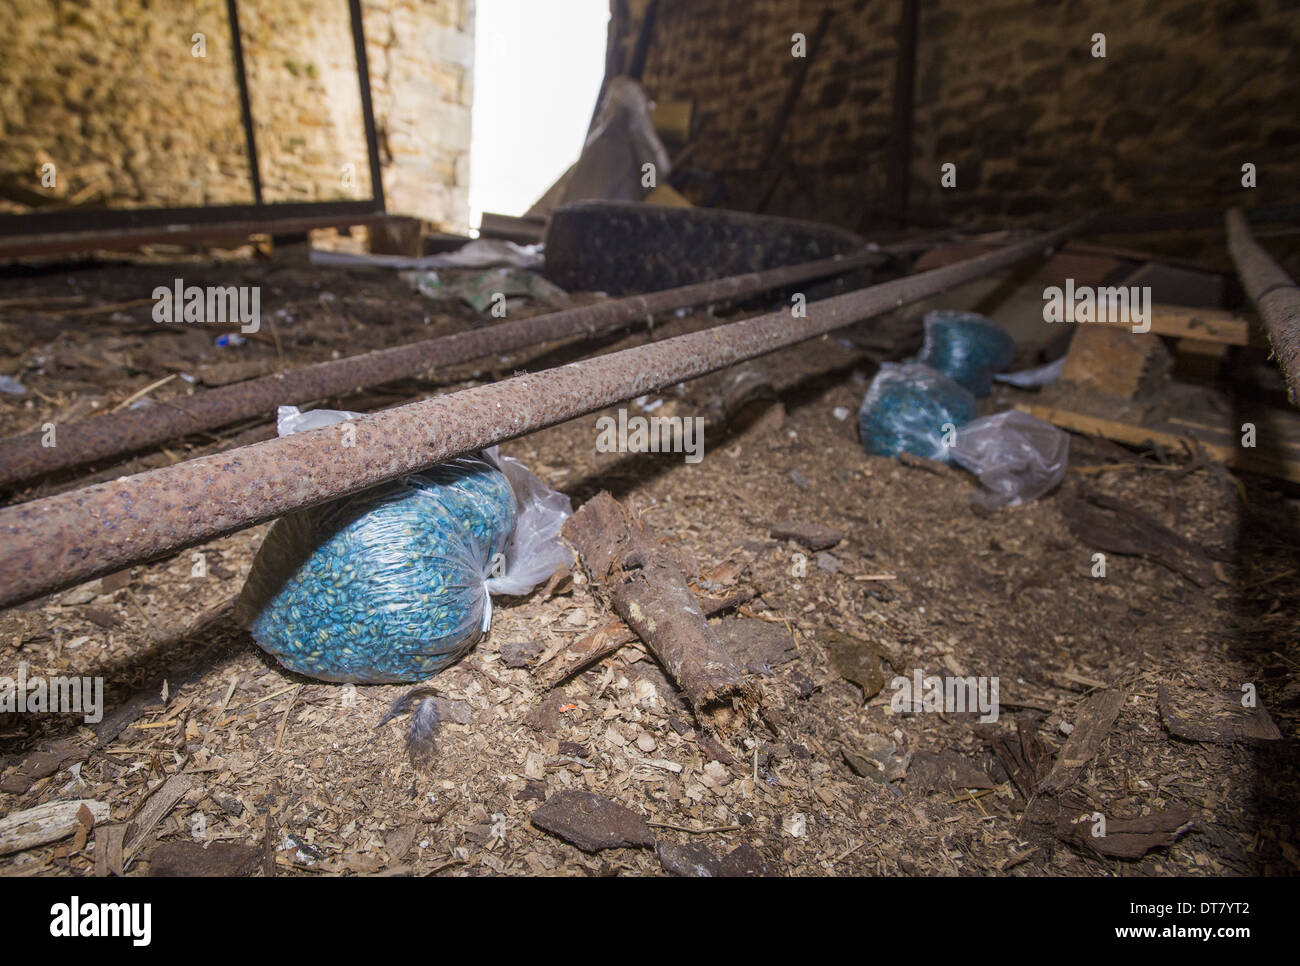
{"type": "Point", "coordinates": [1209, 325]}
{"type": "Point", "coordinates": [1131, 435]}
{"type": "Point", "coordinates": [1114, 361]}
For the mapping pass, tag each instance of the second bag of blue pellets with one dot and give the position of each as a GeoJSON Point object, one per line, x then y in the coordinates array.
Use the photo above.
{"type": "Point", "coordinates": [966, 347]}
{"type": "Point", "coordinates": [394, 584]}
{"type": "Point", "coordinates": [912, 408]}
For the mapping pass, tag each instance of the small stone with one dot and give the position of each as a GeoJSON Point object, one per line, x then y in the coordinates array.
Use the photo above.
{"type": "Point", "coordinates": [646, 743]}
{"type": "Point", "coordinates": [841, 413]}
{"type": "Point", "coordinates": [455, 712]}
{"type": "Point", "coordinates": [520, 653]}
{"type": "Point", "coordinates": [576, 618]}
{"type": "Point", "coordinates": [828, 563]}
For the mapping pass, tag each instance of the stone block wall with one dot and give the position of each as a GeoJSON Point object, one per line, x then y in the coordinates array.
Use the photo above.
{"type": "Point", "coordinates": [1006, 90]}
{"type": "Point", "coordinates": [134, 111]}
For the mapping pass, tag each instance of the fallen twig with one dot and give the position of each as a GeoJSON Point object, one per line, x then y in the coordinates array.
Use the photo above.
{"type": "Point", "coordinates": [641, 579]}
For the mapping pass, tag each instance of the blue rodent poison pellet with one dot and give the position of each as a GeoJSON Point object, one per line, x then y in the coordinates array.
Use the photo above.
{"type": "Point", "coordinates": [906, 407]}
{"type": "Point", "coordinates": [966, 347]}
{"type": "Point", "coordinates": [385, 586]}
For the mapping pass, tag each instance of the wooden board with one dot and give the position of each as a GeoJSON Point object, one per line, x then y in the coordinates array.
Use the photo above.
{"type": "Point", "coordinates": [1115, 361]}
{"type": "Point", "coordinates": [1209, 325]}
{"type": "Point", "coordinates": [1131, 435]}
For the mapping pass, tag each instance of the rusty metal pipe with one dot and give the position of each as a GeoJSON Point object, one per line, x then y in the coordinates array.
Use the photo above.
{"type": "Point", "coordinates": [1274, 295]}
{"type": "Point", "coordinates": [22, 457]}
{"type": "Point", "coordinates": [66, 539]}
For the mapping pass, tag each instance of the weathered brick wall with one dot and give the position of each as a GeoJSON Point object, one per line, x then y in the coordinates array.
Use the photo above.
{"type": "Point", "coordinates": [112, 95]}
{"type": "Point", "coordinates": [1007, 90]}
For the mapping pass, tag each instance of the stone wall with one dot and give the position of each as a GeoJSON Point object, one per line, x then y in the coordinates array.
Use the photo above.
{"type": "Point", "coordinates": [134, 111]}
{"type": "Point", "coordinates": [1006, 90]}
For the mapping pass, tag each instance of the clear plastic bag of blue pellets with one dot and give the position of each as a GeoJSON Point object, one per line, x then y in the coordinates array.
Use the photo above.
{"type": "Point", "coordinates": [966, 347]}
{"type": "Point", "coordinates": [395, 583]}
{"type": "Point", "coordinates": [914, 408]}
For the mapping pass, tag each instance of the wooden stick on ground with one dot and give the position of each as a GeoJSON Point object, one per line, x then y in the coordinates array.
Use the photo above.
{"type": "Point", "coordinates": [610, 637]}
{"type": "Point", "coordinates": [640, 578]}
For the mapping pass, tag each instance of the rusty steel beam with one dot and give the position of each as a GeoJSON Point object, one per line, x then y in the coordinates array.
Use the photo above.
{"type": "Point", "coordinates": [1274, 295]}
{"type": "Point", "coordinates": [22, 457]}
{"type": "Point", "coordinates": [66, 539]}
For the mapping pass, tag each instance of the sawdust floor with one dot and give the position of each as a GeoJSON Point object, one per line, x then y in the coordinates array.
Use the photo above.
{"type": "Point", "coordinates": [942, 588]}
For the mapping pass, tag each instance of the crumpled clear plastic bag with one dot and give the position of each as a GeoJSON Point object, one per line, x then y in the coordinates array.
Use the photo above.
{"type": "Point", "coordinates": [1016, 457]}
{"type": "Point", "coordinates": [966, 347]}
{"type": "Point", "coordinates": [906, 409]}
{"type": "Point", "coordinates": [394, 584]}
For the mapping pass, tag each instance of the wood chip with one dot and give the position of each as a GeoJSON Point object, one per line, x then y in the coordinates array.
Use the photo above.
{"type": "Point", "coordinates": [1094, 722]}
{"type": "Point", "coordinates": [1215, 717]}
{"type": "Point", "coordinates": [160, 803]}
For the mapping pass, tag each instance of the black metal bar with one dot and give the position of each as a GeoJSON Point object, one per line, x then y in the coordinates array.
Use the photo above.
{"type": "Point", "coordinates": [367, 108]}
{"type": "Point", "coordinates": [245, 106]}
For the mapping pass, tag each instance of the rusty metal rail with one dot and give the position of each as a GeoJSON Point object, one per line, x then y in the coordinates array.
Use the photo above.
{"type": "Point", "coordinates": [22, 457]}
{"type": "Point", "coordinates": [66, 539]}
{"type": "Point", "coordinates": [1274, 295]}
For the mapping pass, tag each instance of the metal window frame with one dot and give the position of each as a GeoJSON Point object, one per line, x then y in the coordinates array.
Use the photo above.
{"type": "Point", "coordinates": [75, 229]}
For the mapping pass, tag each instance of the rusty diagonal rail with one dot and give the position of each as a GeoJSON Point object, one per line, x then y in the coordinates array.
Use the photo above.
{"type": "Point", "coordinates": [72, 537]}
{"type": "Point", "coordinates": [1274, 295]}
{"type": "Point", "coordinates": [22, 457]}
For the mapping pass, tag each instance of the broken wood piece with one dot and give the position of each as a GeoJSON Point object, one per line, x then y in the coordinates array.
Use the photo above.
{"type": "Point", "coordinates": [1105, 523]}
{"type": "Point", "coordinates": [640, 577]}
{"type": "Point", "coordinates": [1096, 717]}
{"type": "Point", "coordinates": [1188, 322]}
{"type": "Point", "coordinates": [592, 823]}
{"type": "Point", "coordinates": [698, 861]}
{"type": "Point", "coordinates": [34, 827]}
{"type": "Point", "coordinates": [1114, 361]}
{"type": "Point", "coordinates": [160, 803]}
{"type": "Point", "coordinates": [613, 635]}
{"type": "Point", "coordinates": [738, 398]}
{"type": "Point", "coordinates": [1139, 436]}
{"type": "Point", "coordinates": [1124, 838]}
{"type": "Point", "coordinates": [1214, 717]}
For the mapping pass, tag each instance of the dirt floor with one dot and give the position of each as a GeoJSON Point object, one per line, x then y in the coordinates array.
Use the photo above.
{"type": "Point", "coordinates": [206, 740]}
